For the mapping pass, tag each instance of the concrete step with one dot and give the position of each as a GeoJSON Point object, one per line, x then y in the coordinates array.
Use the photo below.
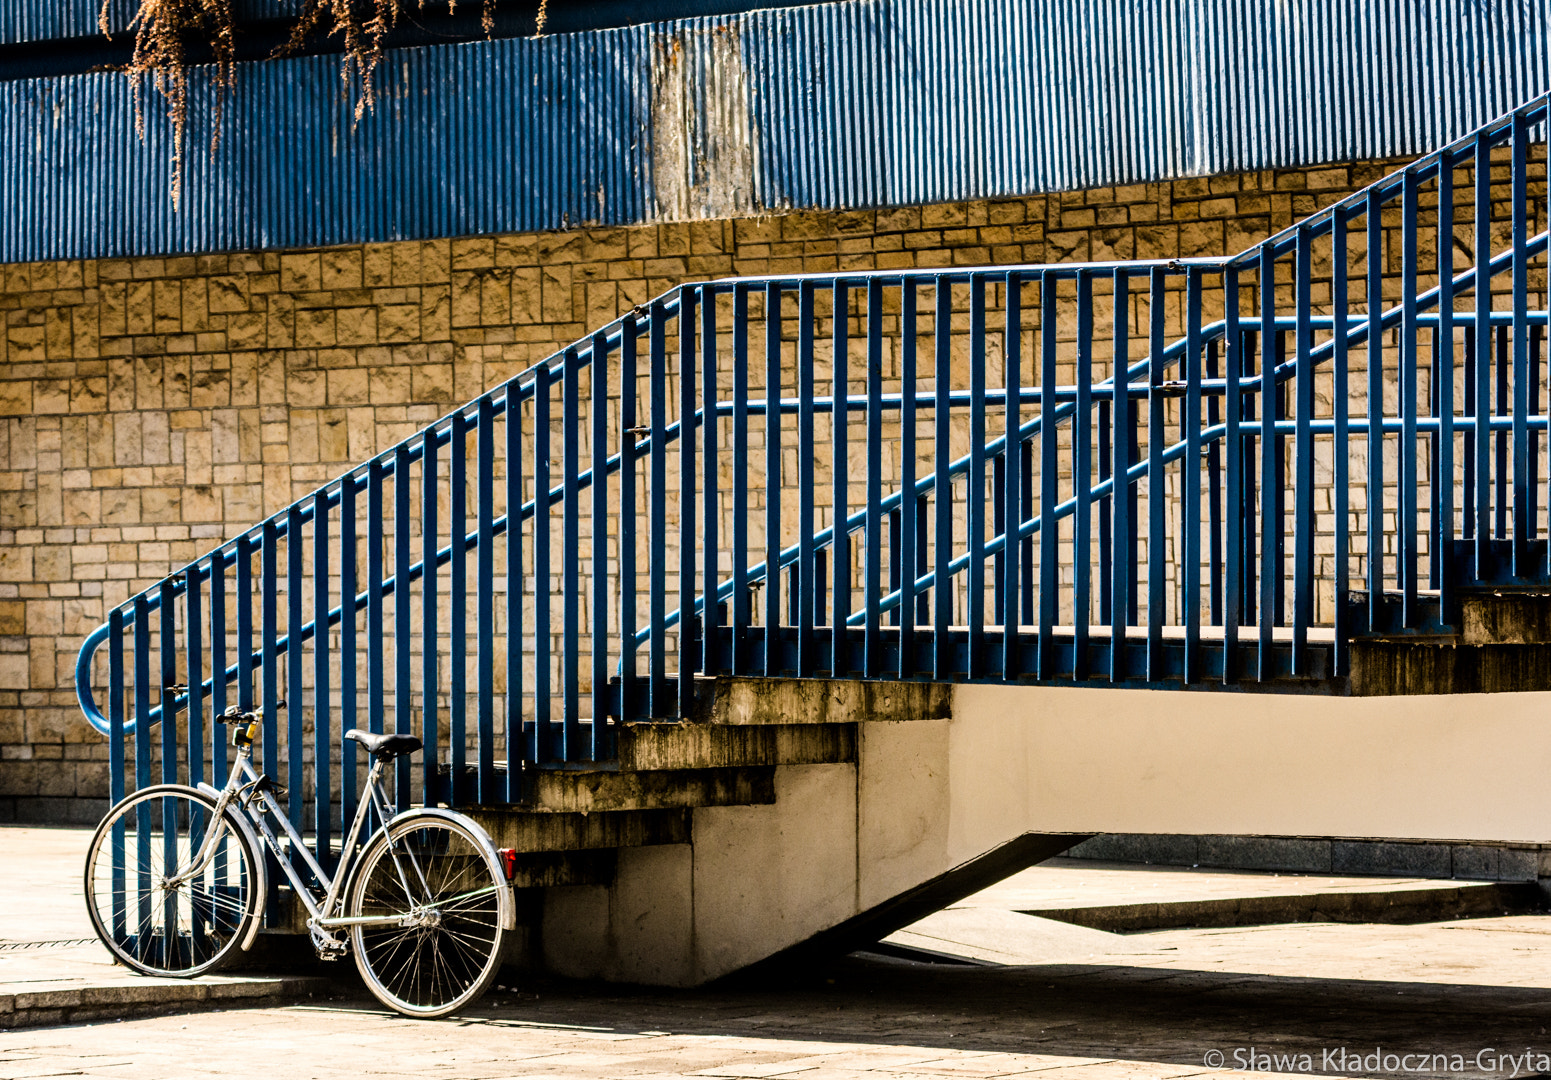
{"type": "Point", "coordinates": [530, 832]}
{"type": "Point", "coordinates": [576, 791]}
{"type": "Point", "coordinates": [705, 746]}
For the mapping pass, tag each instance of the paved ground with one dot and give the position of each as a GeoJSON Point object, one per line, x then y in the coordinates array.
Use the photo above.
{"type": "Point", "coordinates": [1029, 996]}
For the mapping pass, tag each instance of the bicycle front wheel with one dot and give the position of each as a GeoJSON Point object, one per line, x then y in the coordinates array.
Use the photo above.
{"type": "Point", "coordinates": [440, 947]}
{"type": "Point", "coordinates": [154, 911]}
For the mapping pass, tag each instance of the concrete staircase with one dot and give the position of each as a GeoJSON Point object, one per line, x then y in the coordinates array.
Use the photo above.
{"type": "Point", "coordinates": [785, 817]}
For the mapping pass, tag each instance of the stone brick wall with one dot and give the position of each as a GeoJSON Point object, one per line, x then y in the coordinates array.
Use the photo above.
{"type": "Point", "coordinates": [151, 408]}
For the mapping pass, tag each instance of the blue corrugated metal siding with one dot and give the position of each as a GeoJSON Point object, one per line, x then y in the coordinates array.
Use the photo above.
{"type": "Point", "coordinates": [865, 103]}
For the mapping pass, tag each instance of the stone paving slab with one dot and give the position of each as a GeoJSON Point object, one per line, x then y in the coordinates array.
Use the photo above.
{"type": "Point", "coordinates": [53, 970]}
{"type": "Point", "coordinates": [1255, 996]}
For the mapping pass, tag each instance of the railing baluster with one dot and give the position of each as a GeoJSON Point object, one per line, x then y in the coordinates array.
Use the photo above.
{"type": "Point", "coordinates": [998, 528]}
{"type": "Point", "coordinates": [1157, 496]}
{"type": "Point", "coordinates": [1406, 561]}
{"type": "Point", "coordinates": [1303, 455]}
{"type": "Point", "coordinates": [218, 683]}
{"type": "Point", "coordinates": [116, 786]}
{"type": "Point", "coordinates": [167, 649]}
{"type": "Point", "coordinates": [1440, 558]}
{"type": "Point", "coordinates": [348, 675]}
{"type": "Point", "coordinates": [322, 721]}
{"type": "Point", "coordinates": [894, 565]}
{"type": "Point", "coordinates": [975, 504]}
{"type": "Point", "coordinates": [1049, 479]}
{"type": "Point", "coordinates": [295, 739]}
{"type": "Point", "coordinates": [403, 686]}
{"type": "Point", "coordinates": [457, 607]}
{"type": "Point", "coordinates": [142, 726]}
{"type": "Point", "coordinates": [772, 649]}
{"type": "Point", "coordinates": [1271, 475]}
{"type": "Point", "coordinates": [656, 603]}
{"type": "Point", "coordinates": [1190, 478]}
{"type": "Point", "coordinates": [807, 586]}
{"type": "Point", "coordinates": [270, 694]}
{"type": "Point", "coordinates": [541, 746]}
{"type": "Point", "coordinates": [840, 548]}
{"type": "Point", "coordinates": [430, 632]}
{"type": "Point", "coordinates": [1082, 482]}
{"type": "Point", "coordinates": [1375, 359]}
{"type": "Point", "coordinates": [1027, 511]}
{"type": "Point", "coordinates": [627, 522]}
{"type": "Point", "coordinates": [1214, 507]}
{"type": "Point", "coordinates": [688, 535]}
{"type": "Point", "coordinates": [602, 741]}
{"type": "Point", "coordinates": [485, 597]}
{"type": "Point", "coordinates": [1483, 357]}
{"type": "Point", "coordinates": [942, 494]}
{"type": "Point", "coordinates": [1233, 487]}
{"type": "Point", "coordinates": [1522, 499]}
{"type": "Point", "coordinates": [1341, 451]}
{"type": "Point", "coordinates": [1500, 469]}
{"type": "Point", "coordinates": [710, 632]}
{"type": "Point", "coordinates": [872, 650]}
{"type": "Point", "coordinates": [1123, 553]}
{"type": "Point", "coordinates": [570, 558]}
{"type": "Point", "coordinates": [741, 616]}
{"type": "Point", "coordinates": [1010, 488]}
{"type": "Point", "coordinates": [194, 659]}
{"type": "Point", "coordinates": [910, 550]}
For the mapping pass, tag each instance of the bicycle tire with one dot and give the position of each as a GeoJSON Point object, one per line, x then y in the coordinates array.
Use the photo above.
{"type": "Point", "coordinates": [446, 951]}
{"type": "Point", "coordinates": [194, 928]}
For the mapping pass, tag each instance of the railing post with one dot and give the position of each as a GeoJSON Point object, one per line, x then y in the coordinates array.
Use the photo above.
{"type": "Point", "coordinates": [348, 675]}
{"type": "Point", "coordinates": [942, 494]}
{"type": "Point", "coordinates": [430, 632]}
{"type": "Point", "coordinates": [485, 788]}
{"type": "Point", "coordinates": [1483, 356]}
{"type": "Point", "coordinates": [1233, 493]}
{"type": "Point", "coordinates": [1303, 454]}
{"type": "Point", "coordinates": [541, 743]}
{"type": "Point", "coordinates": [739, 606]}
{"type": "Point", "coordinates": [1340, 451]}
{"type": "Point", "coordinates": [872, 651]}
{"type": "Point", "coordinates": [688, 536]}
{"type": "Point", "coordinates": [806, 586]}
{"type": "Point", "coordinates": [1190, 478]}
{"type": "Point", "coordinates": [710, 629]}
{"type": "Point", "coordinates": [571, 748]}
{"type": "Point", "coordinates": [403, 686]}
{"type": "Point", "coordinates": [1123, 552]}
{"type": "Point", "coordinates": [295, 741]}
{"type": "Point", "coordinates": [772, 596]}
{"type": "Point", "coordinates": [270, 694]}
{"type": "Point", "coordinates": [1271, 478]}
{"type": "Point", "coordinates": [457, 605]}
{"type": "Point", "coordinates": [627, 520]}
{"type": "Point", "coordinates": [1406, 561]}
{"type": "Point", "coordinates": [1157, 494]}
{"type": "Point", "coordinates": [1440, 557]}
{"type": "Point", "coordinates": [975, 504]}
{"type": "Point", "coordinates": [909, 550]}
{"type": "Point", "coordinates": [602, 746]}
{"type": "Point", "coordinates": [322, 726]}
{"type": "Point", "coordinates": [656, 603]}
{"type": "Point", "coordinates": [516, 744]}
{"type": "Point", "coordinates": [1049, 477]}
{"type": "Point", "coordinates": [840, 546]}
{"type": "Point", "coordinates": [1523, 499]}
{"type": "Point", "coordinates": [1082, 477]}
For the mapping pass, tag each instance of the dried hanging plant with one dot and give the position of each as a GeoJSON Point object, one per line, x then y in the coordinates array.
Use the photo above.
{"type": "Point", "coordinates": [161, 30]}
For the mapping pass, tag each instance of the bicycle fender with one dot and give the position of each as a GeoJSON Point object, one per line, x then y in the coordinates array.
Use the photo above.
{"type": "Point", "coordinates": [260, 870]}
{"type": "Point", "coordinates": [508, 905]}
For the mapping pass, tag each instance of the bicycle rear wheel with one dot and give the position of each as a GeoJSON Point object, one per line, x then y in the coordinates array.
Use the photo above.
{"type": "Point", "coordinates": [443, 946]}
{"type": "Point", "coordinates": [149, 910]}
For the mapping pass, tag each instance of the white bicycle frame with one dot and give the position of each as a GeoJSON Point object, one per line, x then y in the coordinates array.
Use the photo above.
{"type": "Point", "coordinates": [257, 808]}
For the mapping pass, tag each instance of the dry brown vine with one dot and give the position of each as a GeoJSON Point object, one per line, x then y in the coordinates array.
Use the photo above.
{"type": "Point", "coordinates": [160, 60]}
{"type": "Point", "coordinates": [163, 29]}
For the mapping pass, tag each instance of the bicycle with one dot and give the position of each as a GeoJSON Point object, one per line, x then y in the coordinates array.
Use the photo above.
{"type": "Point", "coordinates": [424, 903]}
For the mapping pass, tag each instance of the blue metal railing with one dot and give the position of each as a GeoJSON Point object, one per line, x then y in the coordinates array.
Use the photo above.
{"type": "Point", "coordinates": [945, 474]}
